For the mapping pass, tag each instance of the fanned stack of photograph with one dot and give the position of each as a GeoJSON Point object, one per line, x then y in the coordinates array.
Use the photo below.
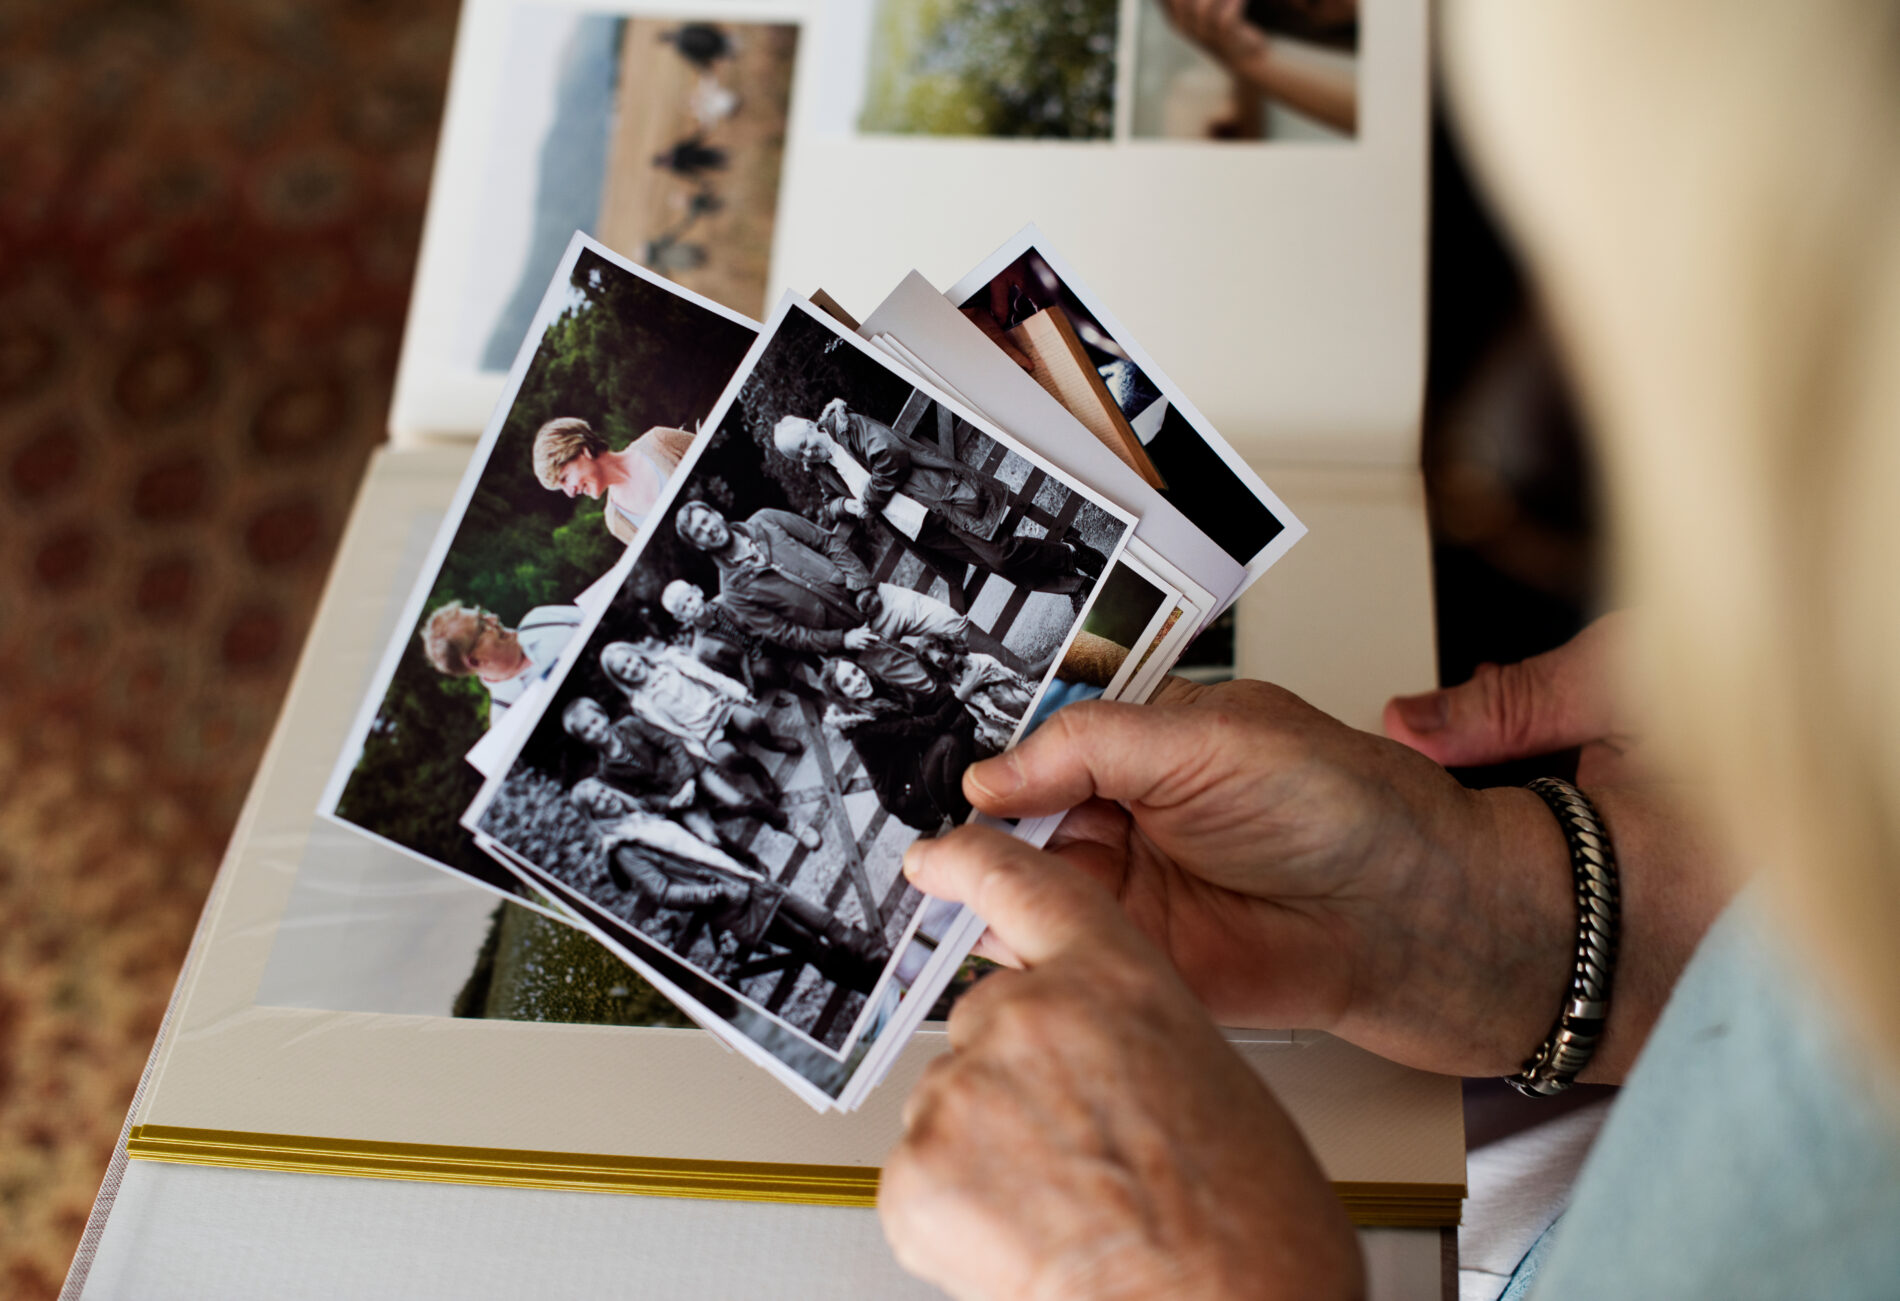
{"type": "Point", "coordinates": [722, 612]}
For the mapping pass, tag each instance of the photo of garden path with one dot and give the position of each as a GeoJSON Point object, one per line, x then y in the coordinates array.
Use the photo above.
{"type": "Point", "coordinates": [696, 147]}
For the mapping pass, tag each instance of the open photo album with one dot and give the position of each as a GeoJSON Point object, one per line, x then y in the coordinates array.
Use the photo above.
{"type": "Point", "coordinates": [755, 466]}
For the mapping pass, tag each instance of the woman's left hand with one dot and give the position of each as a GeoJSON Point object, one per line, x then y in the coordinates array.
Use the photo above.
{"type": "Point", "coordinates": [1090, 1134]}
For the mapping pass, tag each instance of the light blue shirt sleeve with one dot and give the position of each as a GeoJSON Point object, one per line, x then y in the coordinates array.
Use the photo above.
{"type": "Point", "coordinates": [1744, 1158]}
{"type": "Point", "coordinates": [1060, 693]}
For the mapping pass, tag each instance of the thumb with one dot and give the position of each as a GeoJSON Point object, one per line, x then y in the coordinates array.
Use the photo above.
{"type": "Point", "coordinates": [1087, 750]}
{"type": "Point", "coordinates": [1547, 703]}
{"type": "Point", "coordinates": [1036, 905]}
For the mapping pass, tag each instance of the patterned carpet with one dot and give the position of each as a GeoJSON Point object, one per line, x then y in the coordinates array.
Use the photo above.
{"type": "Point", "coordinates": [208, 220]}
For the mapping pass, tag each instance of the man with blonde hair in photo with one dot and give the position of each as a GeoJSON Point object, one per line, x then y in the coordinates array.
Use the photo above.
{"type": "Point", "coordinates": [572, 458]}
{"type": "Point", "coordinates": [467, 641]}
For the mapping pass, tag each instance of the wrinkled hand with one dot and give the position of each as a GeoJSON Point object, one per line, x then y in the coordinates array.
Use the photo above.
{"type": "Point", "coordinates": [858, 639]}
{"type": "Point", "coordinates": [1301, 873]}
{"type": "Point", "coordinates": [853, 507]}
{"type": "Point", "coordinates": [1673, 883]}
{"type": "Point", "coordinates": [1560, 700]}
{"type": "Point", "coordinates": [1090, 1134]}
{"type": "Point", "coordinates": [1220, 27]}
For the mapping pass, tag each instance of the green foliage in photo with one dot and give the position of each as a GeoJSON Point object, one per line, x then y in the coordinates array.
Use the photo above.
{"type": "Point", "coordinates": [533, 968]}
{"type": "Point", "coordinates": [624, 355]}
{"type": "Point", "coordinates": [992, 68]}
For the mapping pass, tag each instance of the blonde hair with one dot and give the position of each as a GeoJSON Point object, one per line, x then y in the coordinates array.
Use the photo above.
{"type": "Point", "coordinates": [560, 441]}
{"type": "Point", "coordinates": [675, 592]}
{"type": "Point", "coordinates": [1710, 193]}
{"type": "Point", "coordinates": [449, 634]}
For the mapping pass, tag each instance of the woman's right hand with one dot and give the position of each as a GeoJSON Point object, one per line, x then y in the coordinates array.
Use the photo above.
{"type": "Point", "coordinates": [1302, 873]}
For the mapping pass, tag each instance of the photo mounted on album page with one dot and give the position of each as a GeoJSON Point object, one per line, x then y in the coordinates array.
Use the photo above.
{"type": "Point", "coordinates": [1102, 71]}
{"type": "Point", "coordinates": [658, 129]}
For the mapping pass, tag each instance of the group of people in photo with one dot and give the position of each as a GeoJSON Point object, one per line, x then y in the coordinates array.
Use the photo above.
{"type": "Point", "coordinates": [897, 669]}
{"type": "Point", "coordinates": [956, 517]}
{"type": "Point", "coordinates": [670, 780]}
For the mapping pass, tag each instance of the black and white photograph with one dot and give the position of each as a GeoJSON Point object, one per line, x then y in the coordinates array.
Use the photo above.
{"type": "Point", "coordinates": [823, 1078]}
{"type": "Point", "coordinates": [620, 374]}
{"type": "Point", "coordinates": [1039, 314]}
{"type": "Point", "coordinates": [852, 592]}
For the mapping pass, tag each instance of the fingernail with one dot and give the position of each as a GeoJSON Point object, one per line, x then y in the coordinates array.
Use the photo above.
{"type": "Point", "coordinates": [995, 779]}
{"type": "Point", "coordinates": [1426, 713]}
{"type": "Point", "coordinates": [914, 859]}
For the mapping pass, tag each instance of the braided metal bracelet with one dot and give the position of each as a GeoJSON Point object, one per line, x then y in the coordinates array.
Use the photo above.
{"type": "Point", "coordinates": [1573, 1040]}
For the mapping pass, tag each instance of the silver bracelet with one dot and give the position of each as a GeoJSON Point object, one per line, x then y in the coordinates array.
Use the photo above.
{"type": "Point", "coordinates": [1586, 1007]}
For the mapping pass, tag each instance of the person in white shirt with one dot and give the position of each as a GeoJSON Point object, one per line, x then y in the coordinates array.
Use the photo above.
{"type": "Point", "coordinates": [570, 457]}
{"type": "Point", "coordinates": [468, 641]}
{"type": "Point", "coordinates": [705, 709]}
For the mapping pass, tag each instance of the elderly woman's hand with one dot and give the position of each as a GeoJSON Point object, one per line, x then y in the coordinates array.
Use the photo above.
{"type": "Point", "coordinates": [1090, 1134]}
{"type": "Point", "coordinates": [1302, 873]}
{"type": "Point", "coordinates": [1555, 701]}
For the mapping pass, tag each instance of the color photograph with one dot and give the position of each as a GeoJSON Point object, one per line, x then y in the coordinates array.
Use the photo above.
{"type": "Point", "coordinates": [625, 370]}
{"type": "Point", "coordinates": [1246, 71]}
{"type": "Point", "coordinates": [1015, 293]}
{"type": "Point", "coordinates": [990, 68]}
{"type": "Point", "coordinates": [663, 137]}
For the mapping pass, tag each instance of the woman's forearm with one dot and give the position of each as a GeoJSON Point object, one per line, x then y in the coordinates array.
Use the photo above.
{"type": "Point", "coordinates": [1322, 94]}
{"type": "Point", "coordinates": [1513, 914]}
{"type": "Point", "coordinates": [1673, 886]}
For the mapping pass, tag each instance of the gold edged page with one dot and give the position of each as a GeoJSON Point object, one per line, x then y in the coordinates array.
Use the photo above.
{"type": "Point", "coordinates": [1376, 1205]}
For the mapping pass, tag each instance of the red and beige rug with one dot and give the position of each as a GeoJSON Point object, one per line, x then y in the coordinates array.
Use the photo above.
{"type": "Point", "coordinates": [208, 221]}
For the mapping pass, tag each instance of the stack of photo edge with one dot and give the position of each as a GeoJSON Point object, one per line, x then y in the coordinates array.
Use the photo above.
{"type": "Point", "coordinates": [813, 569]}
